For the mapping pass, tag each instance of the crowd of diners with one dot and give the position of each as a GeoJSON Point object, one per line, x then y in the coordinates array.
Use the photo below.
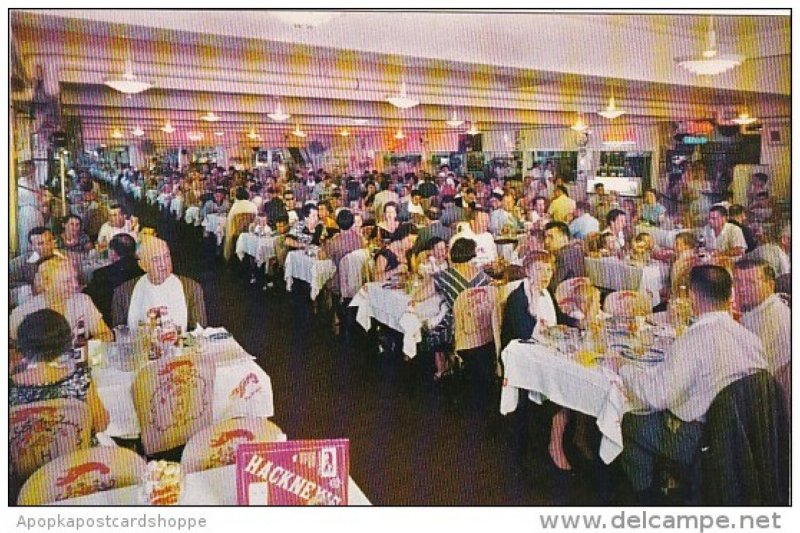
{"type": "Point", "coordinates": [446, 231]}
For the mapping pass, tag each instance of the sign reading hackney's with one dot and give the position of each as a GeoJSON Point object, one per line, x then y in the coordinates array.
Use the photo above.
{"type": "Point", "coordinates": [301, 472]}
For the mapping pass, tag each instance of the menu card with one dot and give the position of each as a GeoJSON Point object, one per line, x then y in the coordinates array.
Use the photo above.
{"type": "Point", "coordinates": [300, 472]}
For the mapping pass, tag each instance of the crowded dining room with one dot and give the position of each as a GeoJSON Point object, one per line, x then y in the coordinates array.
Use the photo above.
{"type": "Point", "coordinates": [399, 258]}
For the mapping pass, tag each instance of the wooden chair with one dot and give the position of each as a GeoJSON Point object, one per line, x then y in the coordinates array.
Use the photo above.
{"type": "Point", "coordinates": [353, 272]}
{"type": "Point", "coordinates": [81, 473]}
{"type": "Point", "coordinates": [216, 446]}
{"type": "Point", "coordinates": [238, 225]}
{"type": "Point", "coordinates": [173, 400]}
{"type": "Point", "coordinates": [40, 432]}
{"type": "Point", "coordinates": [627, 304]}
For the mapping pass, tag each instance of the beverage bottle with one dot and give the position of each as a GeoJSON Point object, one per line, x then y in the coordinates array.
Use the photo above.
{"type": "Point", "coordinates": [702, 252]}
{"type": "Point", "coordinates": [80, 343]}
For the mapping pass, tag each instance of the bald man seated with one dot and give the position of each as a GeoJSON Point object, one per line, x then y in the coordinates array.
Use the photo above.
{"type": "Point", "coordinates": [158, 288]}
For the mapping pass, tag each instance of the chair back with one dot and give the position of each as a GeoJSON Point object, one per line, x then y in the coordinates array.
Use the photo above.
{"type": "Point", "coordinates": [95, 218]}
{"type": "Point", "coordinates": [569, 296]}
{"type": "Point", "coordinates": [353, 272]}
{"type": "Point", "coordinates": [216, 445]}
{"type": "Point", "coordinates": [40, 432]}
{"type": "Point", "coordinates": [783, 283]}
{"type": "Point", "coordinates": [236, 226]}
{"type": "Point", "coordinates": [627, 304]}
{"type": "Point", "coordinates": [746, 457]}
{"type": "Point", "coordinates": [474, 313]}
{"type": "Point", "coordinates": [81, 473]}
{"type": "Point", "coordinates": [173, 399]}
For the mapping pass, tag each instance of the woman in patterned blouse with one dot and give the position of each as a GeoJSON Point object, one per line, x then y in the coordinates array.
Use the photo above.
{"type": "Point", "coordinates": [43, 337]}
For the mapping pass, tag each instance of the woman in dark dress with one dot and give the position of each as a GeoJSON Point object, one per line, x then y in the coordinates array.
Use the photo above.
{"type": "Point", "coordinates": [393, 258]}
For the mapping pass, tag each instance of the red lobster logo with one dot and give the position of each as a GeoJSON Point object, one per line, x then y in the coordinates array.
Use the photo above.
{"type": "Point", "coordinates": [241, 389]}
{"type": "Point", "coordinates": [74, 473]}
{"type": "Point", "coordinates": [171, 367]}
{"type": "Point", "coordinates": [227, 436]}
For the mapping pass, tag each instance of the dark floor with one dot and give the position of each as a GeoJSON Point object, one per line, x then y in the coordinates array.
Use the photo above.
{"type": "Point", "coordinates": [411, 442]}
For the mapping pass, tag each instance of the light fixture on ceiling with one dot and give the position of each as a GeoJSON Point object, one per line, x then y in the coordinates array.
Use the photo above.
{"type": "Point", "coordinates": [298, 132]}
{"type": "Point", "coordinates": [402, 100]}
{"type": "Point", "coordinates": [611, 111]}
{"type": "Point", "coordinates": [219, 133]}
{"type": "Point", "coordinates": [116, 134]}
{"type": "Point", "coordinates": [128, 83]}
{"type": "Point", "coordinates": [344, 133]}
{"type": "Point", "coordinates": [454, 121]}
{"type": "Point", "coordinates": [399, 134]}
{"type": "Point", "coordinates": [619, 143]}
{"type": "Point", "coordinates": [279, 115]}
{"type": "Point", "coordinates": [473, 129]}
{"type": "Point", "coordinates": [137, 131]}
{"type": "Point", "coordinates": [710, 62]}
{"type": "Point", "coordinates": [744, 119]}
{"type": "Point", "coordinates": [194, 136]}
{"type": "Point", "coordinates": [210, 117]}
{"type": "Point", "coordinates": [304, 19]}
{"type": "Point", "coordinates": [359, 121]}
{"type": "Point", "coordinates": [167, 128]}
{"type": "Point", "coordinates": [253, 135]}
{"type": "Point", "coordinates": [579, 126]}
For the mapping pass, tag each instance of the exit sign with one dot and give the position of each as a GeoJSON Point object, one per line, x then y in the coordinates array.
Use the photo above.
{"type": "Point", "coordinates": [689, 139]}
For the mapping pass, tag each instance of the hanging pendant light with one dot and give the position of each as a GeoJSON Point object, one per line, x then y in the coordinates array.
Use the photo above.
{"type": "Point", "coordinates": [612, 111]}
{"type": "Point", "coordinates": [454, 121]}
{"type": "Point", "coordinates": [473, 129]}
{"type": "Point", "coordinates": [399, 134]}
{"type": "Point", "coordinates": [219, 133]}
{"type": "Point", "coordinates": [128, 83]}
{"type": "Point", "coordinates": [210, 117]}
{"type": "Point", "coordinates": [167, 128]}
{"type": "Point", "coordinates": [279, 115]}
{"type": "Point", "coordinates": [579, 126]}
{"type": "Point", "coordinates": [298, 132]}
{"type": "Point", "coordinates": [402, 100]}
{"type": "Point", "coordinates": [253, 135]}
{"type": "Point", "coordinates": [194, 136]}
{"type": "Point", "coordinates": [710, 62]}
{"type": "Point", "coordinates": [744, 119]}
{"type": "Point", "coordinates": [344, 133]}
{"type": "Point", "coordinates": [137, 131]}
{"type": "Point", "coordinates": [117, 134]}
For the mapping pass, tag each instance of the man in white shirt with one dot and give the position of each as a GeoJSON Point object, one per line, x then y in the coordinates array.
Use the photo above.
{"type": "Point", "coordinates": [713, 353]}
{"type": "Point", "coordinates": [117, 223]}
{"type": "Point", "coordinates": [583, 223]}
{"type": "Point", "coordinates": [158, 288]}
{"type": "Point", "coordinates": [478, 231]}
{"type": "Point", "coordinates": [721, 237]}
{"type": "Point", "coordinates": [764, 312]}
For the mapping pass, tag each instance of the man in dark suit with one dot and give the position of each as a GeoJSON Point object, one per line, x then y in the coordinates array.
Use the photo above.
{"type": "Point", "coordinates": [434, 229]}
{"type": "Point", "coordinates": [122, 251]}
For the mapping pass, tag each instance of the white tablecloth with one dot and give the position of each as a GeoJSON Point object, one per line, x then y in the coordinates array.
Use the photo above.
{"type": "Point", "coordinates": [164, 199]}
{"type": "Point", "coordinates": [617, 275]}
{"type": "Point", "coordinates": [313, 271]}
{"type": "Point", "coordinates": [664, 238]}
{"type": "Point", "coordinates": [192, 215]}
{"type": "Point", "coordinates": [391, 307]}
{"type": "Point", "coordinates": [152, 196]}
{"type": "Point", "coordinates": [595, 391]}
{"type": "Point", "coordinates": [176, 207]}
{"type": "Point", "coordinates": [115, 389]}
{"type": "Point", "coordinates": [215, 223]}
{"type": "Point", "coordinates": [262, 249]}
{"type": "Point", "coordinates": [216, 486]}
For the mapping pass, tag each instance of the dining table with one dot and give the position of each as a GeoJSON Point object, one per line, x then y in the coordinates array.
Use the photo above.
{"type": "Point", "coordinates": [663, 237]}
{"type": "Point", "coordinates": [241, 387]}
{"type": "Point", "coordinates": [305, 265]}
{"type": "Point", "coordinates": [581, 380]}
{"type": "Point", "coordinates": [392, 306]}
{"type": "Point", "coordinates": [260, 247]}
{"type": "Point", "coordinates": [214, 223]}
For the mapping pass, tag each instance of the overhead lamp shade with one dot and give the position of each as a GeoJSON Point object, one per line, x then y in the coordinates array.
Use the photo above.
{"type": "Point", "coordinates": [710, 62]}
{"type": "Point", "coordinates": [359, 121]}
{"type": "Point", "coordinates": [344, 133]}
{"type": "Point", "coordinates": [167, 128]}
{"type": "Point", "coordinates": [579, 126]}
{"type": "Point", "coordinates": [744, 119]}
{"type": "Point", "coordinates": [400, 134]}
{"type": "Point", "coordinates": [253, 135]}
{"type": "Point", "coordinates": [402, 100]}
{"type": "Point", "coordinates": [219, 133]}
{"type": "Point", "coordinates": [279, 115]}
{"type": "Point", "coordinates": [194, 136]}
{"type": "Point", "coordinates": [210, 117]}
{"type": "Point", "coordinates": [128, 83]}
{"type": "Point", "coordinates": [116, 134]}
{"type": "Point", "coordinates": [137, 131]}
{"type": "Point", "coordinates": [612, 111]}
{"type": "Point", "coordinates": [473, 130]}
{"type": "Point", "coordinates": [454, 121]}
{"type": "Point", "coordinates": [298, 132]}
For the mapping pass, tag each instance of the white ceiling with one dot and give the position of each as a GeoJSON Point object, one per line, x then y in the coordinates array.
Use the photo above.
{"type": "Point", "coordinates": [497, 68]}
